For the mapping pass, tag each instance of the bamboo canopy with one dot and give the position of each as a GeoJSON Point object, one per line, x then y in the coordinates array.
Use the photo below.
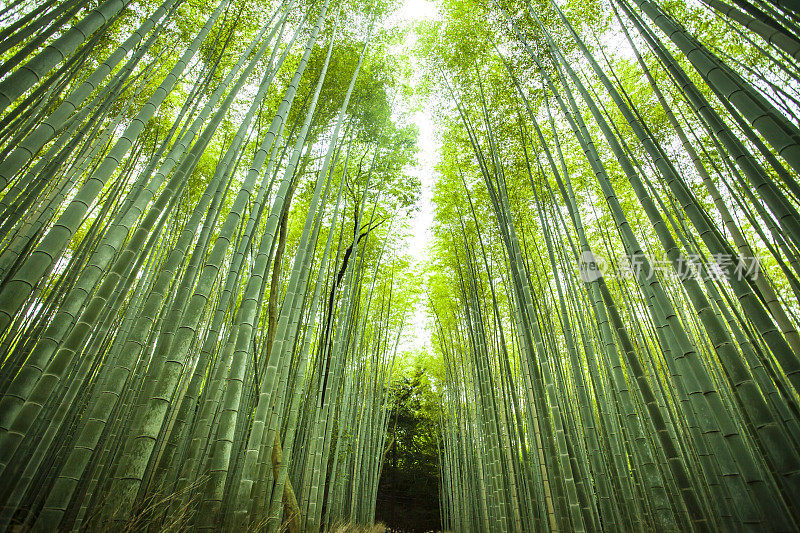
{"type": "Point", "coordinates": [207, 295]}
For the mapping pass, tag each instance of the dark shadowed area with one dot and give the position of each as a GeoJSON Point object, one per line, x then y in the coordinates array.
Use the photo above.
{"type": "Point", "coordinates": [408, 493]}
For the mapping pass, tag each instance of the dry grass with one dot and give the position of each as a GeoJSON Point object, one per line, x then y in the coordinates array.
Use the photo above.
{"type": "Point", "coordinates": [169, 510]}
{"type": "Point", "coordinates": [349, 527]}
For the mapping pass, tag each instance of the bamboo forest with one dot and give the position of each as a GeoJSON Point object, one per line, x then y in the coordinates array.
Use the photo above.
{"type": "Point", "coordinates": [356, 266]}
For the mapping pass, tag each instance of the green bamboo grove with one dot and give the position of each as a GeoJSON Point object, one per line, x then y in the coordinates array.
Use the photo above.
{"type": "Point", "coordinates": [207, 291]}
{"type": "Point", "coordinates": [615, 288]}
{"type": "Point", "coordinates": [199, 264]}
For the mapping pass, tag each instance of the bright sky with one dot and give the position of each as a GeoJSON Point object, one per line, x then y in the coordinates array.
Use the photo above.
{"type": "Point", "coordinates": [417, 336]}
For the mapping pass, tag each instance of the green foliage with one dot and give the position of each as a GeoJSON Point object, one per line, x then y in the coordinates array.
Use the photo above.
{"type": "Point", "coordinates": [408, 495]}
